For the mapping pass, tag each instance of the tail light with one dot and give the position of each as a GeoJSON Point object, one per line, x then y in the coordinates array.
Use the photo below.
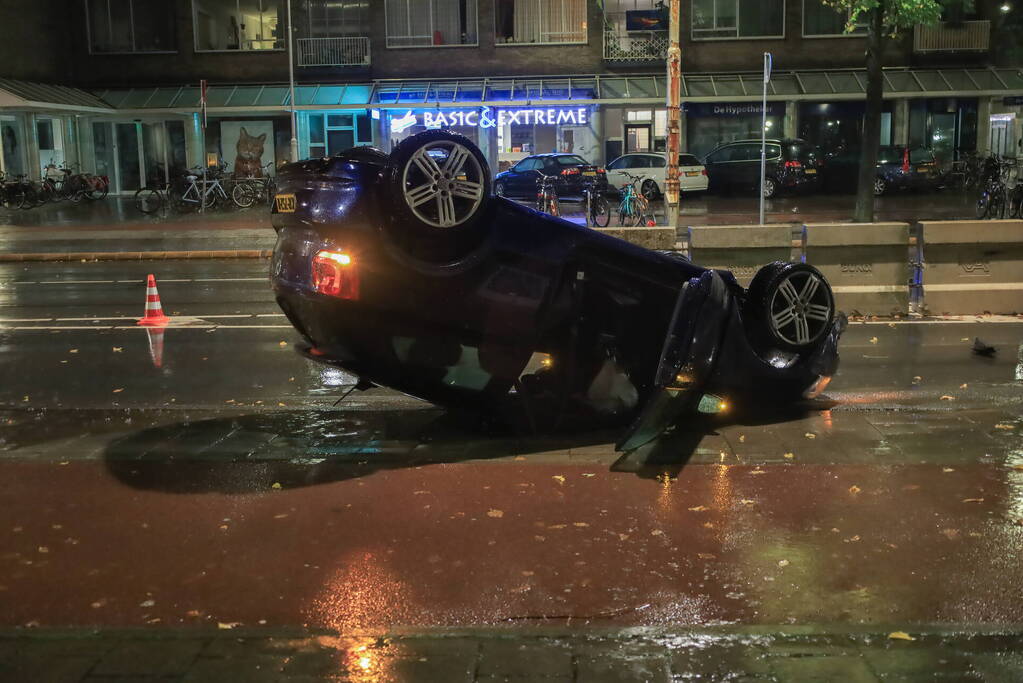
{"type": "Point", "coordinates": [793, 164]}
{"type": "Point", "coordinates": [905, 160]}
{"type": "Point", "coordinates": [570, 171]}
{"type": "Point", "coordinates": [602, 171]}
{"type": "Point", "coordinates": [335, 274]}
{"type": "Point", "coordinates": [703, 171]}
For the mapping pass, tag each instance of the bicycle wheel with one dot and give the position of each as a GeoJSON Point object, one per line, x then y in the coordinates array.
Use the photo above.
{"type": "Point", "coordinates": [98, 189]}
{"type": "Point", "coordinates": [243, 195]}
{"type": "Point", "coordinates": [600, 212]}
{"type": "Point", "coordinates": [148, 200]}
{"type": "Point", "coordinates": [997, 211]}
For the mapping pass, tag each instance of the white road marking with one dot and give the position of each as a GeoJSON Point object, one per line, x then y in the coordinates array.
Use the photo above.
{"type": "Point", "coordinates": [131, 282]}
{"type": "Point", "coordinates": [211, 326]}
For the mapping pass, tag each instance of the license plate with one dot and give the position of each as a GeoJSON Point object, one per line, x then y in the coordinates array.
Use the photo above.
{"type": "Point", "coordinates": [589, 173]}
{"type": "Point", "coordinates": [811, 171]}
{"type": "Point", "coordinates": [285, 203]}
{"type": "Point", "coordinates": [692, 174]}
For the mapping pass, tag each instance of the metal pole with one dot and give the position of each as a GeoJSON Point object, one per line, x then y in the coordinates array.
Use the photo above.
{"type": "Point", "coordinates": [674, 96]}
{"type": "Point", "coordinates": [763, 134]}
{"type": "Point", "coordinates": [291, 80]}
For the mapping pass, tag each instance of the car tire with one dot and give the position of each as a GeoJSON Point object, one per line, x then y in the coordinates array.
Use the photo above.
{"type": "Point", "coordinates": [650, 190]}
{"type": "Point", "coordinates": [438, 201]}
{"type": "Point", "coordinates": [770, 187]}
{"type": "Point", "coordinates": [788, 306]}
{"type": "Point", "coordinates": [880, 186]}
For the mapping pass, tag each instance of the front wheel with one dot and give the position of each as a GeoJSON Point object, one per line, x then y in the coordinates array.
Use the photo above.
{"type": "Point", "coordinates": [997, 211]}
{"type": "Point", "coordinates": [600, 212]}
{"type": "Point", "coordinates": [148, 200]}
{"type": "Point", "coordinates": [243, 195]}
{"type": "Point", "coordinates": [880, 186]}
{"type": "Point", "coordinates": [789, 306]}
{"type": "Point", "coordinates": [770, 188]}
{"type": "Point", "coordinates": [650, 189]}
{"type": "Point", "coordinates": [983, 207]}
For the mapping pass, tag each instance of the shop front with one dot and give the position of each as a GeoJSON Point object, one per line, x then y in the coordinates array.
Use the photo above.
{"type": "Point", "coordinates": [709, 125]}
{"type": "Point", "coordinates": [947, 126]}
{"type": "Point", "coordinates": [507, 135]}
{"type": "Point", "coordinates": [837, 127]}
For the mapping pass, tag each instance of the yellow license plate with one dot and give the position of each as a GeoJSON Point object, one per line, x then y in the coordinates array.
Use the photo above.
{"type": "Point", "coordinates": [285, 203]}
{"type": "Point", "coordinates": [589, 173]}
{"type": "Point", "coordinates": [692, 174]}
{"type": "Point", "coordinates": [811, 171]}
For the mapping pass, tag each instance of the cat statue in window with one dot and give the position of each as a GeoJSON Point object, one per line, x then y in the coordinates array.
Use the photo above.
{"type": "Point", "coordinates": [248, 163]}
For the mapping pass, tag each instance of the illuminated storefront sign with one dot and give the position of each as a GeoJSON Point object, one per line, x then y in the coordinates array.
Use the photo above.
{"type": "Point", "coordinates": [487, 118]}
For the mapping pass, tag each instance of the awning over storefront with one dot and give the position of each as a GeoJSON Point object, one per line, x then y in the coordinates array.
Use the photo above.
{"type": "Point", "coordinates": [649, 89]}
{"type": "Point", "coordinates": [22, 95]}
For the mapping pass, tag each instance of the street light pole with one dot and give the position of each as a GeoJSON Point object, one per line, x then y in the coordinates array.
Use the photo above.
{"type": "Point", "coordinates": [291, 83]}
{"type": "Point", "coordinates": [674, 96]}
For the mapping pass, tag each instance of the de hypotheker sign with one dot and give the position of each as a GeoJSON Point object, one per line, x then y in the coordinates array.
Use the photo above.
{"type": "Point", "coordinates": [734, 109]}
{"type": "Point", "coordinates": [486, 117]}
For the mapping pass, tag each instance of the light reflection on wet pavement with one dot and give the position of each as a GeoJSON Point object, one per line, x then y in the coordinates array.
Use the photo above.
{"type": "Point", "coordinates": [224, 487]}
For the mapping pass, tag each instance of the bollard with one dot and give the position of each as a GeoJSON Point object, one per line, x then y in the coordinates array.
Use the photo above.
{"type": "Point", "coordinates": [867, 264]}
{"type": "Point", "coordinates": [741, 249]}
{"type": "Point", "coordinates": [972, 267]}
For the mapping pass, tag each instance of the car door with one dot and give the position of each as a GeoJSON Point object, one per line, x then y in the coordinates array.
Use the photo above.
{"type": "Point", "coordinates": [615, 175]}
{"type": "Point", "coordinates": [523, 177]}
{"type": "Point", "coordinates": [657, 169]}
{"type": "Point", "coordinates": [745, 166]}
{"type": "Point", "coordinates": [717, 163]}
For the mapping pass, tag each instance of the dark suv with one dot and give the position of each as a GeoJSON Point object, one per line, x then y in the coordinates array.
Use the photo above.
{"type": "Point", "coordinates": [791, 165]}
{"type": "Point", "coordinates": [573, 173]}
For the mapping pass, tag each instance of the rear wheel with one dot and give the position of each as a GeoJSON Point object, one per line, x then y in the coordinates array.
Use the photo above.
{"type": "Point", "coordinates": [770, 188]}
{"type": "Point", "coordinates": [983, 207]}
{"type": "Point", "coordinates": [789, 306]}
{"type": "Point", "coordinates": [600, 212]}
{"type": "Point", "coordinates": [880, 186]}
{"type": "Point", "coordinates": [440, 187]}
{"type": "Point", "coordinates": [650, 189]}
{"type": "Point", "coordinates": [243, 194]}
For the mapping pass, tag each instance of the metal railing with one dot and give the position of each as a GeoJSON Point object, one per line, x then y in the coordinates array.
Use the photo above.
{"type": "Point", "coordinates": [344, 51]}
{"type": "Point", "coordinates": [967, 36]}
{"type": "Point", "coordinates": [646, 46]}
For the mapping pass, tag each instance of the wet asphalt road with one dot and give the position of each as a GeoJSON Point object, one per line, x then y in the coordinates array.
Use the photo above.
{"type": "Point", "coordinates": [225, 487]}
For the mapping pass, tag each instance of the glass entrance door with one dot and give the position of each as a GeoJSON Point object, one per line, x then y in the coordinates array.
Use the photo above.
{"type": "Point", "coordinates": [637, 138]}
{"type": "Point", "coordinates": [126, 149]}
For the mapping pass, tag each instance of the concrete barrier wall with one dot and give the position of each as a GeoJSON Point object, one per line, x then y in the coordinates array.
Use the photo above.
{"type": "Point", "coordinates": [742, 249]}
{"type": "Point", "coordinates": [867, 264]}
{"type": "Point", "coordinates": [972, 267]}
{"type": "Point", "coordinates": [650, 238]}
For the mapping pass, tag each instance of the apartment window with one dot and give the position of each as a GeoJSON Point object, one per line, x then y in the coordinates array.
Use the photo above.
{"type": "Point", "coordinates": [738, 19]}
{"type": "Point", "coordinates": [821, 20]}
{"type": "Point", "coordinates": [130, 26]}
{"type": "Point", "coordinates": [431, 23]}
{"type": "Point", "coordinates": [334, 18]}
{"type": "Point", "coordinates": [238, 25]}
{"type": "Point", "coordinates": [540, 21]}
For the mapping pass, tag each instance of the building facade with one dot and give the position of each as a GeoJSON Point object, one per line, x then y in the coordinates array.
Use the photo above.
{"type": "Point", "coordinates": [121, 79]}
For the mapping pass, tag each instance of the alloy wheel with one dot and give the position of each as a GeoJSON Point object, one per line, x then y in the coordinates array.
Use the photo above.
{"type": "Point", "coordinates": [443, 189]}
{"type": "Point", "coordinates": [800, 308]}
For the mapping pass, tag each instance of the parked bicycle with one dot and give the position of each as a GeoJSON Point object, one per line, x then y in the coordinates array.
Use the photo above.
{"type": "Point", "coordinates": [547, 195]}
{"type": "Point", "coordinates": [634, 207]}
{"type": "Point", "coordinates": [998, 172]}
{"type": "Point", "coordinates": [248, 191]}
{"type": "Point", "coordinates": [598, 212]}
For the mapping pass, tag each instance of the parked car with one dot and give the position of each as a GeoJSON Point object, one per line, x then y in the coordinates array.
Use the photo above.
{"type": "Point", "coordinates": [573, 172]}
{"type": "Point", "coordinates": [791, 165]}
{"type": "Point", "coordinates": [898, 168]}
{"type": "Point", "coordinates": [653, 169]}
{"type": "Point", "coordinates": [406, 271]}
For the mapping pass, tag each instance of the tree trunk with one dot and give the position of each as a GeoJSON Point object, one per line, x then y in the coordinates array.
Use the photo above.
{"type": "Point", "coordinates": [871, 118]}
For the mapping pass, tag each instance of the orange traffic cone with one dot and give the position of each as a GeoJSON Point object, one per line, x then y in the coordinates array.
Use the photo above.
{"type": "Point", "coordinates": [154, 311]}
{"type": "Point", "coordinates": [155, 336]}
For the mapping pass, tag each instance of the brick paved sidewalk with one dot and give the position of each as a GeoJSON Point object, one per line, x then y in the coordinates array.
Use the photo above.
{"type": "Point", "coordinates": [603, 656]}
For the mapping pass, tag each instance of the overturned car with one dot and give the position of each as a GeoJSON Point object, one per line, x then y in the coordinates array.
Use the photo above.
{"type": "Point", "coordinates": [406, 271]}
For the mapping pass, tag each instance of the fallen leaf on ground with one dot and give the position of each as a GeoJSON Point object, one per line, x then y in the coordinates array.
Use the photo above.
{"type": "Point", "coordinates": [742, 438]}
{"type": "Point", "coordinates": [1002, 425]}
{"type": "Point", "coordinates": [950, 534]}
{"type": "Point", "coordinates": [656, 532]}
{"type": "Point", "coordinates": [789, 456]}
{"type": "Point", "coordinates": [747, 501]}
{"type": "Point", "coordinates": [810, 435]}
{"type": "Point", "coordinates": [527, 573]}
{"type": "Point", "coordinates": [854, 489]}
{"type": "Point", "coordinates": [73, 351]}
{"type": "Point", "coordinates": [147, 603]}
{"type": "Point", "coordinates": [276, 485]}
{"type": "Point", "coordinates": [495, 513]}
{"type": "Point", "coordinates": [973, 500]}
{"type": "Point", "coordinates": [281, 516]}
{"type": "Point", "coordinates": [900, 635]}
{"type": "Point", "coordinates": [283, 344]}
{"type": "Point", "coordinates": [699, 508]}
{"type": "Point", "coordinates": [558, 478]}
{"type": "Point", "coordinates": [946, 397]}
{"type": "Point", "coordinates": [965, 339]}
{"type": "Point", "coordinates": [783, 563]}
{"type": "Point", "coordinates": [853, 539]}
{"type": "Point", "coordinates": [963, 386]}
{"type": "Point", "coordinates": [581, 525]}
{"type": "Point", "coordinates": [227, 626]}
{"type": "Point", "coordinates": [758, 471]}
{"type": "Point", "coordinates": [947, 469]}
{"type": "Point", "coordinates": [1017, 467]}
{"type": "Point", "coordinates": [873, 340]}
{"type": "Point", "coordinates": [706, 556]}
{"type": "Point", "coordinates": [118, 349]}
{"type": "Point", "coordinates": [589, 474]}
{"type": "Point", "coordinates": [117, 391]}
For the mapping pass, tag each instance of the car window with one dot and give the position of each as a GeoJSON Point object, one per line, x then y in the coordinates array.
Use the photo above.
{"type": "Point", "coordinates": [719, 155]}
{"type": "Point", "coordinates": [744, 152]}
{"type": "Point", "coordinates": [527, 164]}
{"type": "Point", "coordinates": [799, 151]}
{"type": "Point", "coordinates": [889, 155]}
{"type": "Point", "coordinates": [657, 162]}
{"type": "Point", "coordinates": [620, 163]}
{"type": "Point", "coordinates": [571, 161]}
{"type": "Point", "coordinates": [688, 160]}
{"type": "Point", "coordinates": [771, 152]}
{"type": "Point", "coordinates": [641, 162]}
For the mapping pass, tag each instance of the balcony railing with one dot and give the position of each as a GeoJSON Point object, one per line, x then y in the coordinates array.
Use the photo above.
{"type": "Point", "coordinates": [635, 46]}
{"type": "Point", "coordinates": [344, 51]}
{"type": "Point", "coordinates": [966, 36]}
